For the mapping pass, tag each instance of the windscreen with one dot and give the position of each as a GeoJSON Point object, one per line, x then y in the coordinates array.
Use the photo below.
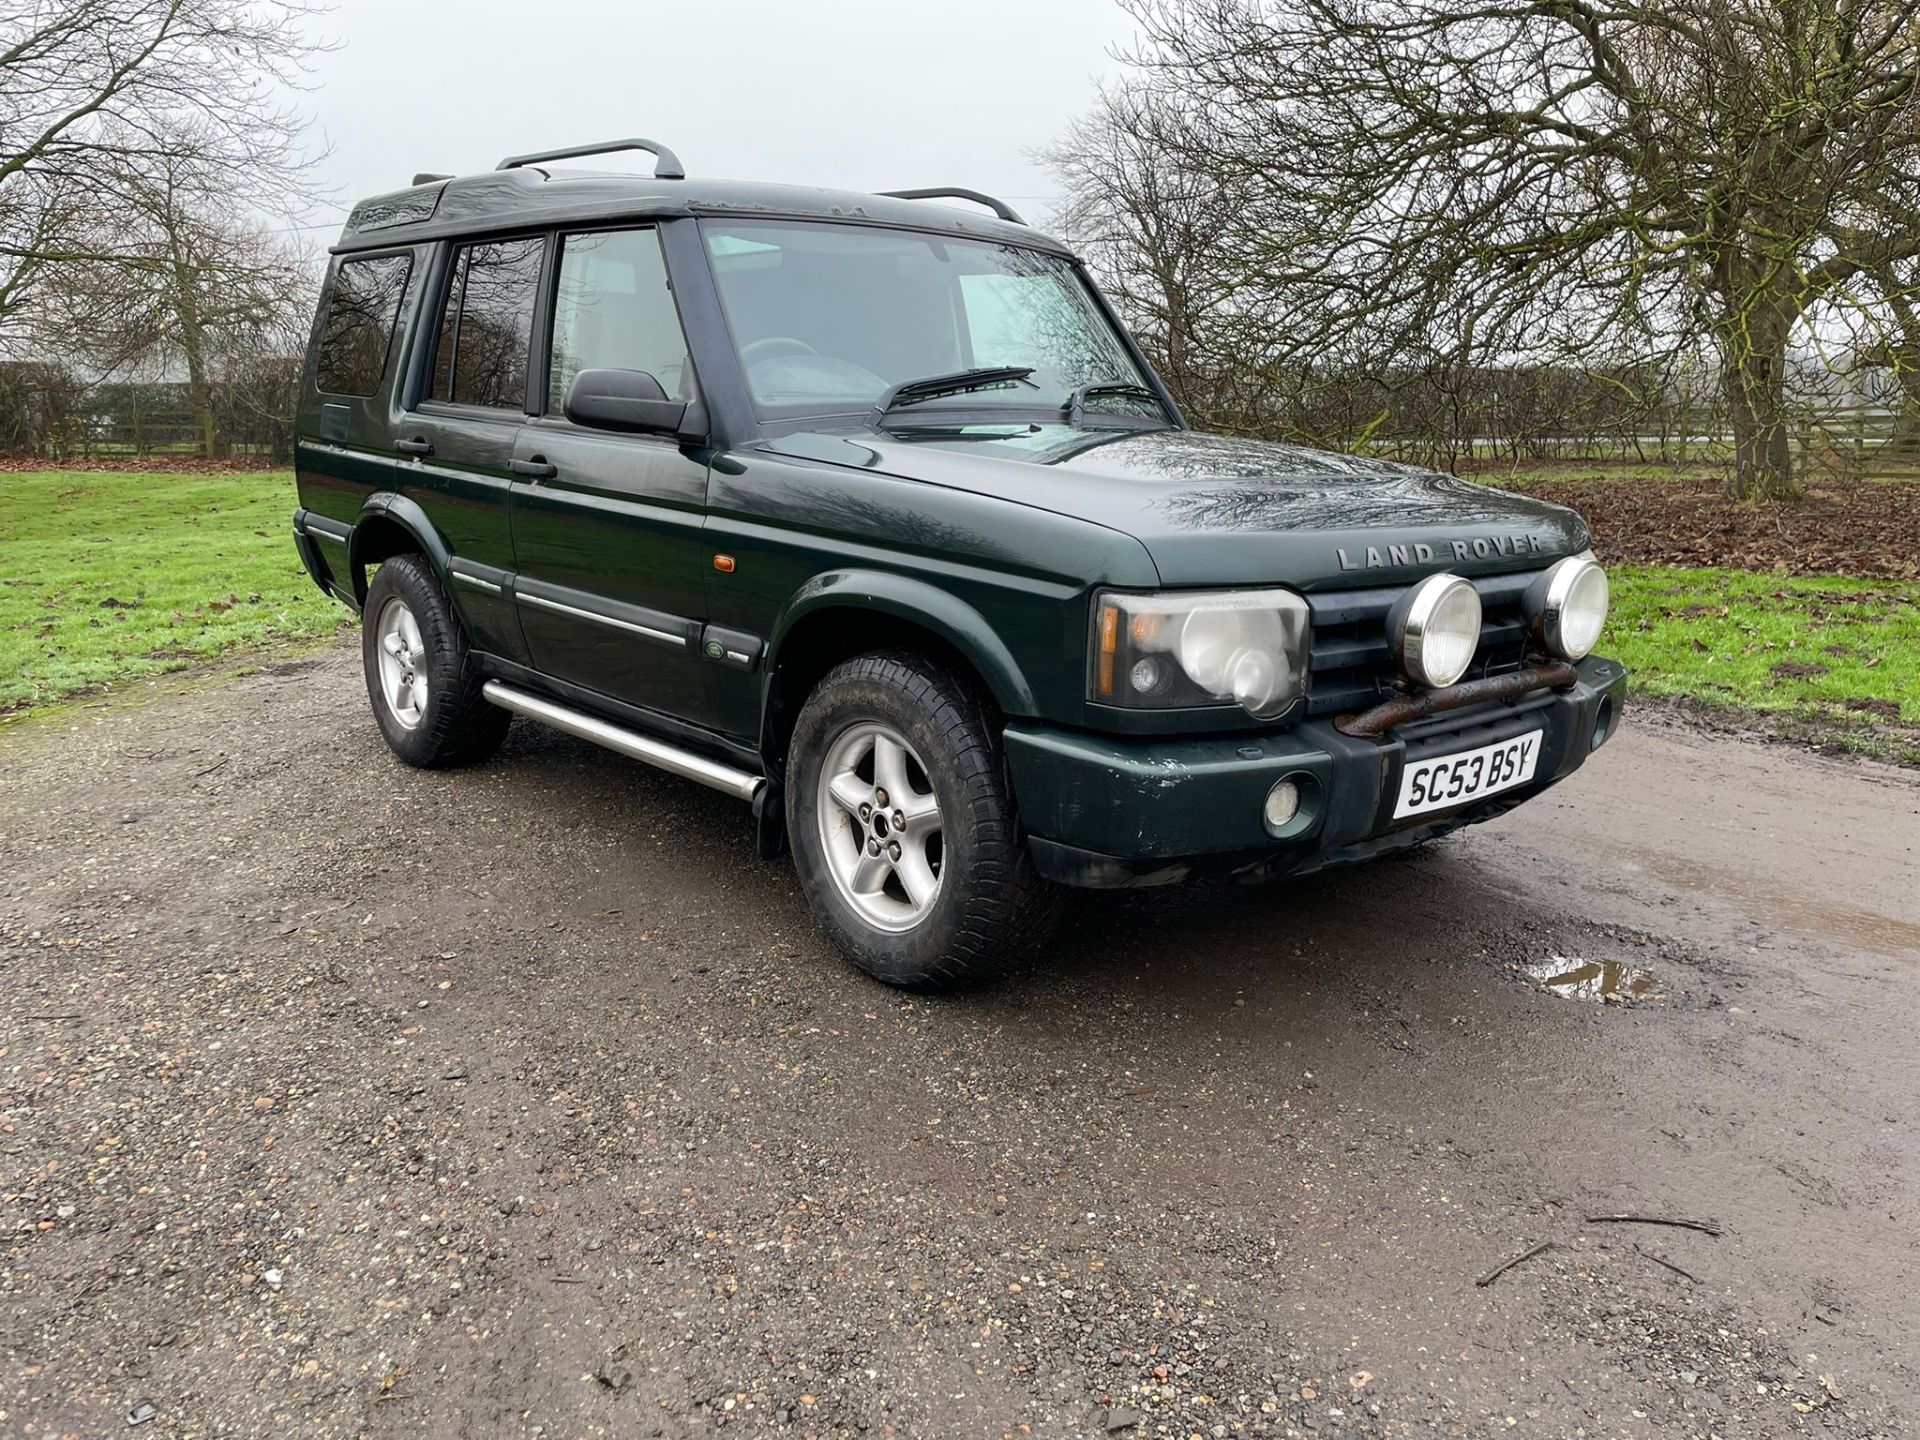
{"type": "Point", "coordinates": [828, 319]}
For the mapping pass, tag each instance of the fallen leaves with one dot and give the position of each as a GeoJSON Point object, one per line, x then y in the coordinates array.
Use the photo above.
{"type": "Point", "coordinates": [1843, 528]}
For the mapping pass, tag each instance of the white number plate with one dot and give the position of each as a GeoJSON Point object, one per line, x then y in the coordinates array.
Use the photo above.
{"type": "Point", "coordinates": [1450, 780]}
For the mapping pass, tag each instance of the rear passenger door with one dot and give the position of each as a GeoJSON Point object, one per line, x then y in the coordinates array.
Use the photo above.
{"type": "Point", "coordinates": [608, 545]}
{"type": "Point", "coordinates": [456, 444]}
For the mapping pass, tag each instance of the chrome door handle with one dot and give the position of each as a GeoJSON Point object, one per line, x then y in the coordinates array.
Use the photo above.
{"type": "Point", "coordinates": [536, 467]}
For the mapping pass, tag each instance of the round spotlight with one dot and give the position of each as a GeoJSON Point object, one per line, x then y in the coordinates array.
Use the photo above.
{"type": "Point", "coordinates": [1437, 630]}
{"type": "Point", "coordinates": [1569, 605]}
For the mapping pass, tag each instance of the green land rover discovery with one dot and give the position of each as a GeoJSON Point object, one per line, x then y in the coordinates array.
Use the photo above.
{"type": "Point", "coordinates": [866, 510]}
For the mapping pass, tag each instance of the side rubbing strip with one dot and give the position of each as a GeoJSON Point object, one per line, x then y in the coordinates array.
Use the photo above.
{"type": "Point", "coordinates": [321, 528]}
{"type": "Point", "coordinates": [664, 637]}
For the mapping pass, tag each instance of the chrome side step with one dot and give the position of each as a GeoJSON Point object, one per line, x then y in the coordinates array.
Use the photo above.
{"type": "Point", "coordinates": [635, 746]}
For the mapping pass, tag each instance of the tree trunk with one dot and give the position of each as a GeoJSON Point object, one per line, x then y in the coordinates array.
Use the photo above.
{"type": "Point", "coordinates": [1905, 361]}
{"type": "Point", "coordinates": [1754, 374]}
{"type": "Point", "coordinates": [1179, 334]}
{"type": "Point", "coordinates": [186, 311]}
{"type": "Point", "coordinates": [200, 396]}
{"type": "Point", "coordinates": [1901, 354]}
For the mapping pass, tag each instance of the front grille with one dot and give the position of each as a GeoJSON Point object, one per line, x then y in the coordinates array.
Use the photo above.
{"type": "Point", "coordinates": [1351, 663]}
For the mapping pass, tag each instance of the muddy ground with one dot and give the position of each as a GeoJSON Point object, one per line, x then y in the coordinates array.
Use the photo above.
{"type": "Point", "coordinates": [342, 1099]}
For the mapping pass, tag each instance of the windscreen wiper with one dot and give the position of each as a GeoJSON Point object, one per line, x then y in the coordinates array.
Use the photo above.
{"type": "Point", "coordinates": [1076, 405]}
{"type": "Point", "coordinates": [959, 382]}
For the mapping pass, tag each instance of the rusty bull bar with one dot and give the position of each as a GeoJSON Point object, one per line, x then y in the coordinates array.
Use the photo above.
{"type": "Point", "coordinates": [1371, 724]}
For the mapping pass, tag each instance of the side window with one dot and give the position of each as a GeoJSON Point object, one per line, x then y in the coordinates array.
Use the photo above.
{"type": "Point", "coordinates": [357, 330]}
{"type": "Point", "coordinates": [614, 311]}
{"type": "Point", "coordinates": [486, 329]}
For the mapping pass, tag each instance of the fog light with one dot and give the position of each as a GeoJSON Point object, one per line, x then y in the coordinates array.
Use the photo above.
{"type": "Point", "coordinates": [1283, 803]}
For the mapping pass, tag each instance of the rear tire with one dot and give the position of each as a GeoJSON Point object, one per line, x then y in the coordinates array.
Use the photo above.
{"type": "Point", "coordinates": [422, 681]}
{"type": "Point", "coordinates": [903, 827]}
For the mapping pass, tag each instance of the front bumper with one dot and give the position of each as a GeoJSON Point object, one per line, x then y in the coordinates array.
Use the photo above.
{"type": "Point", "coordinates": [1111, 811]}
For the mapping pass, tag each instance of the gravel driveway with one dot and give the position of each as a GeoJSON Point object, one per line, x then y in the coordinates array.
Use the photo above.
{"type": "Point", "coordinates": [343, 1099]}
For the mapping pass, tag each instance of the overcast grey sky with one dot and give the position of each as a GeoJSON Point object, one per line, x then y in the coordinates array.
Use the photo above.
{"type": "Point", "coordinates": [858, 93]}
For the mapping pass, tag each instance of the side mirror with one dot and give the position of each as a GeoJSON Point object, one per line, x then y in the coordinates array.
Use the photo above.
{"type": "Point", "coordinates": [631, 401]}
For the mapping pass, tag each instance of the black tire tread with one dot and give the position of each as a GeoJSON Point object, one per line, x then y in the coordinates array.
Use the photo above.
{"type": "Point", "coordinates": [462, 726]}
{"type": "Point", "coordinates": [1010, 910]}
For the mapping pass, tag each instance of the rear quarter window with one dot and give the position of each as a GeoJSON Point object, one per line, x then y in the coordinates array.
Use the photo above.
{"type": "Point", "coordinates": [356, 332]}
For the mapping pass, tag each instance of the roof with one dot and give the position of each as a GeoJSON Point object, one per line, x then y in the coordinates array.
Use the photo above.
{"type": "Point", "coordinates": [538, 196]}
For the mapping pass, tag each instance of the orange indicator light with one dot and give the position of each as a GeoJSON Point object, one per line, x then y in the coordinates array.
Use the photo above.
{"type": "Point", "coordinates": [1109, 642]}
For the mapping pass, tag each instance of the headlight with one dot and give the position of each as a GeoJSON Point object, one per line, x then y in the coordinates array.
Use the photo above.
{"type": "Point", "coordinates": [1568, 606]}
{"type": "Point", "coordinates": [1183, 649]}
{"type": "Point", "coordinates": [1436, 630]}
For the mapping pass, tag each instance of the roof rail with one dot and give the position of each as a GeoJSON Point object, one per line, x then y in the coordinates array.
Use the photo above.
{"type": "Point", "coordinates": [667, 168]}
{"type": "Point", "coordinates": [999, 207]}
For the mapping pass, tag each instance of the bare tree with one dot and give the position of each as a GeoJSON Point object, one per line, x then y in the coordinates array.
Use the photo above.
{"type": "Point", "coordinates": [1154, 228]}
{"type": "Point", "coordinates": [1884, 340]}
{"type": "Point", "coordinates": [95, 91]}
{"type": "Point", "coordinates": [189, 280]}
{"type": "Point", "coordinates": [1516, 182]}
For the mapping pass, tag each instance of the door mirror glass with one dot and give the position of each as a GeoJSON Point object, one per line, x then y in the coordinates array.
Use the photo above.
{"type": "Point", "coordinates": [626, 400]}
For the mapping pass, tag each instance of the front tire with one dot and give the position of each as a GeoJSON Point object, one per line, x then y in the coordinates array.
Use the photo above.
{"type": "Point", "coordinates": [422, 681]}
{"type": "Point", "coordinates": [904, 830]}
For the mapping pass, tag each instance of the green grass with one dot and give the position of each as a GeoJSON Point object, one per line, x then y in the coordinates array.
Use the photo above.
{"type": "Point", "coordinates": [105, 578]}
{"type": "Point", "coordinates": [1835, 656]}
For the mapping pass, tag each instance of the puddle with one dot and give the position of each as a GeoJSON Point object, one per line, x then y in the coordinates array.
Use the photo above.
{"type": "Point", "coordinates": [1603, 980]}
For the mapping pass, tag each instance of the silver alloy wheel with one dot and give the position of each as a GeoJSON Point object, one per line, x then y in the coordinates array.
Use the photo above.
{"type": "Point", "coordinates": [403, 663]}
{"type": "Point", "coordinates": [880, 827]}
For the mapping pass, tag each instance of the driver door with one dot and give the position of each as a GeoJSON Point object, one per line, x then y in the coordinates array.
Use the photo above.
{"type": "Point", "coordinates": [607, 527]}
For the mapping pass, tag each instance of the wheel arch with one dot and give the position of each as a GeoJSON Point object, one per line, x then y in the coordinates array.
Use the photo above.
{"type": "Point", "coordinates": [391, 525]}
{"type": "Point", "coordinates": [892, 612]}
